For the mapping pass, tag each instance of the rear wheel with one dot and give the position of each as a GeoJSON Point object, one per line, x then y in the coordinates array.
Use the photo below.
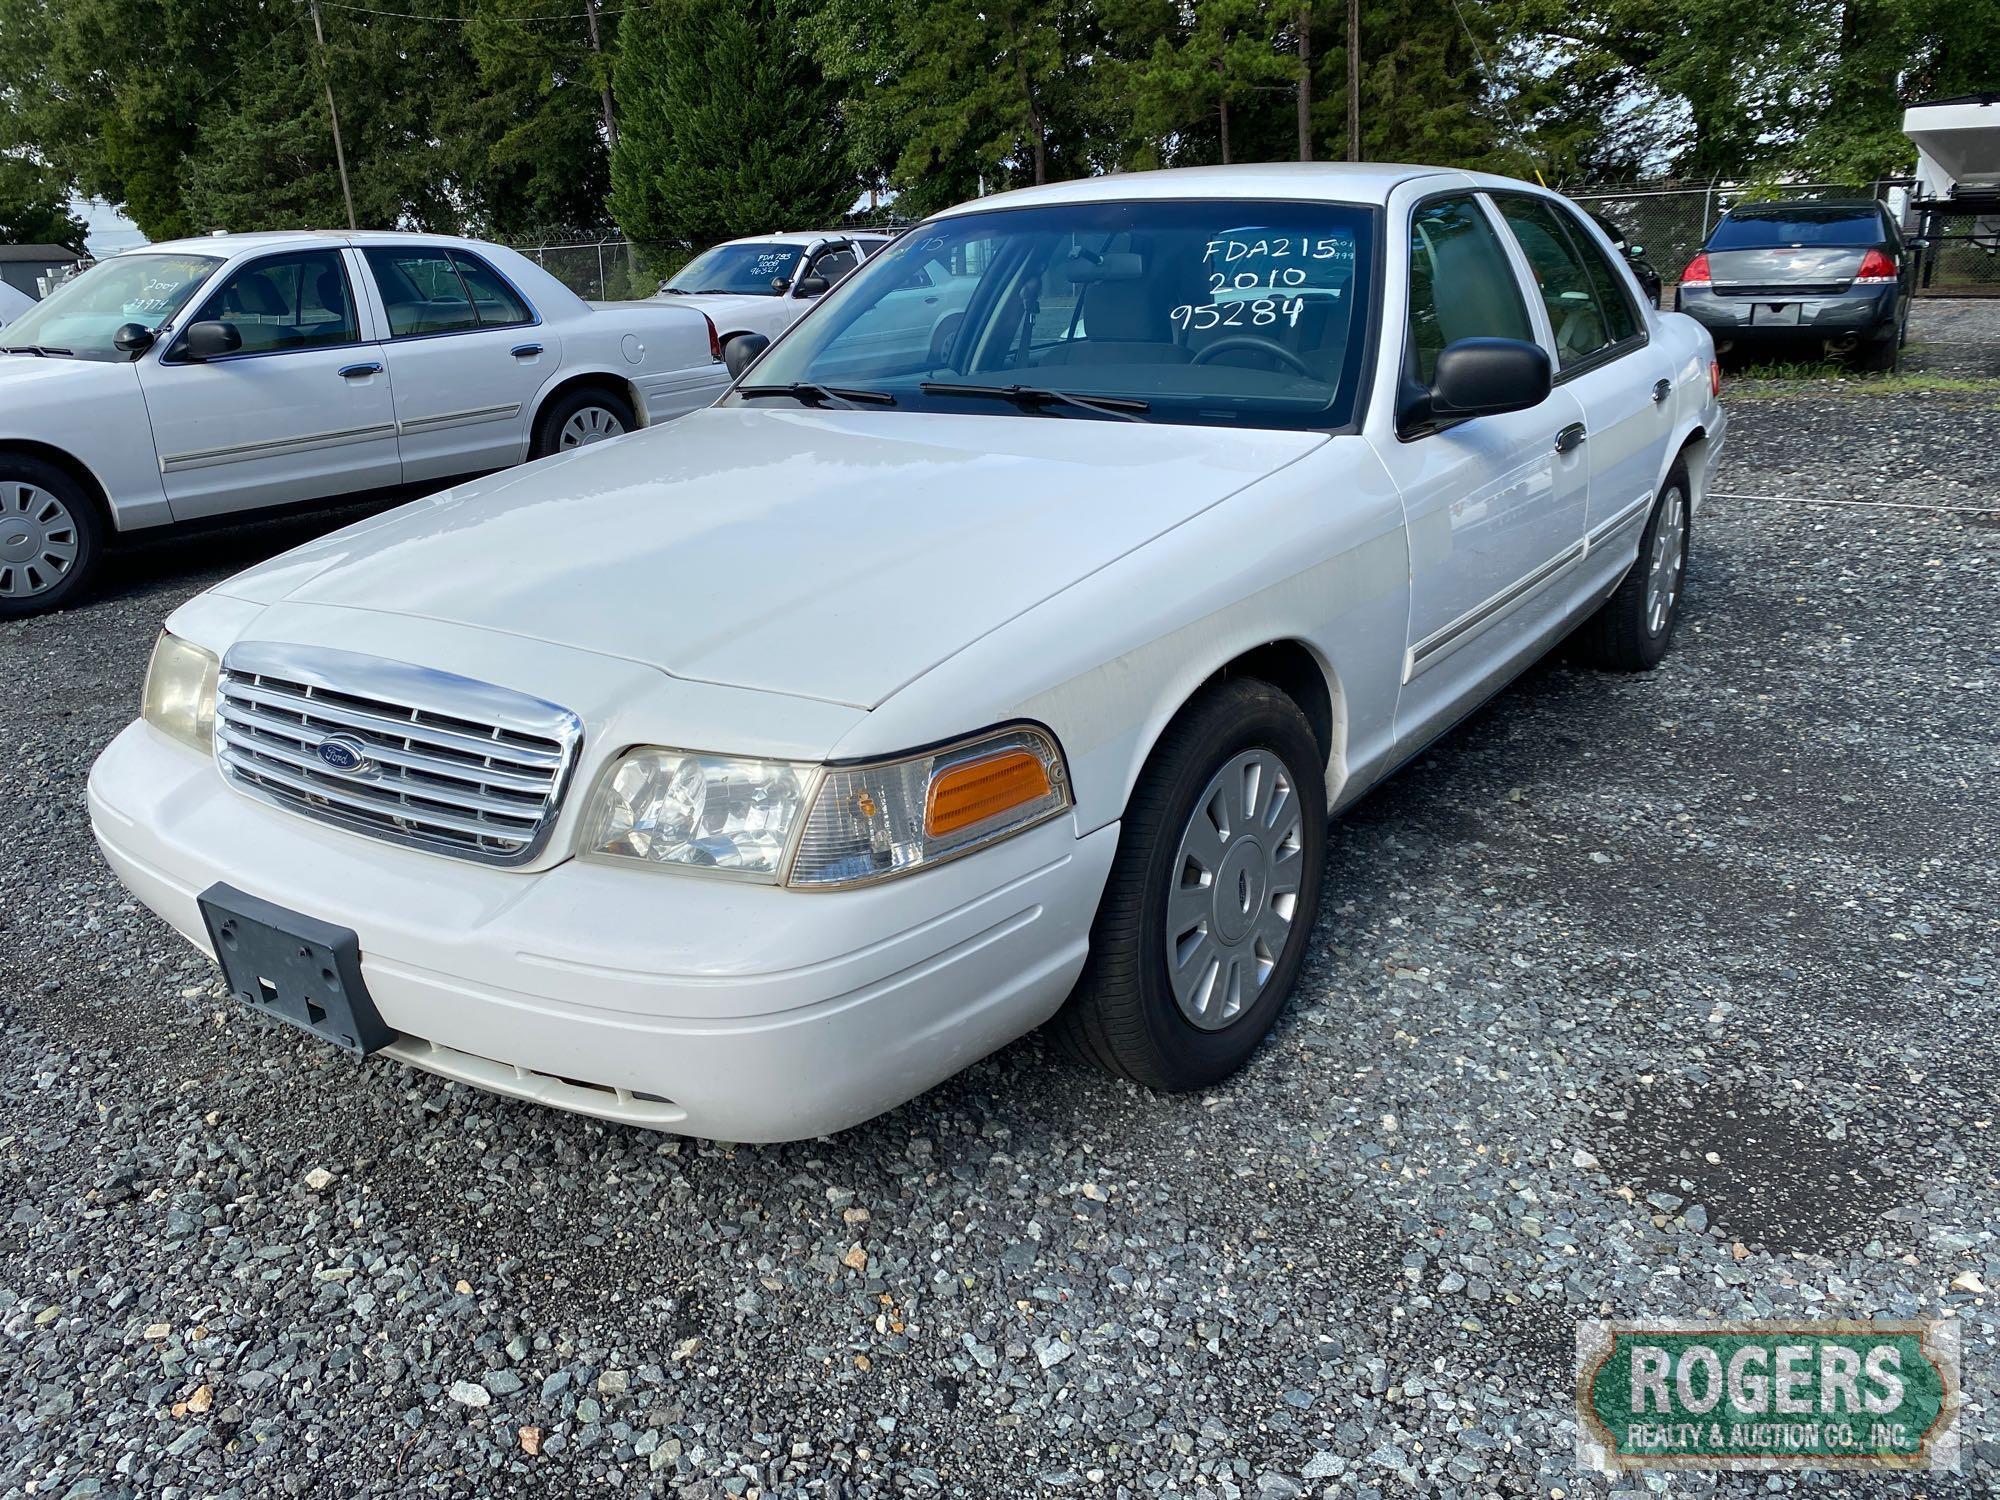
{"type": "Point", "coordinates": [50, 537]}
{"type": "Point", "coordinates": [579, 418]}
{"type": "Point", "coordinates": [1631, 630]}
{"type": "Point", "coordinates": [1204, 922]}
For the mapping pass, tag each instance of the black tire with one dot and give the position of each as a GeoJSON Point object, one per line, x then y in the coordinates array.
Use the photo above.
{"type": "Point", "coordinates": [51, 537]}
{"type": "Point", "coordinates": [1621, 636]}
{"type": "Point", "coordinates": [1883, 355]}
{"type": "Point", "coordinates": [557, 414]}
{"type": "Point", "coordinates": [1123, 1017]}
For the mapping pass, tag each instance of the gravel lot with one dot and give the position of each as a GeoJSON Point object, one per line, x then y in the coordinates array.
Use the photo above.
{"type": "Point", "coordinates": [1666, 996]}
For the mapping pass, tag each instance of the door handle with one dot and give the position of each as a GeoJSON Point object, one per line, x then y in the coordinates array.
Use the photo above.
{"type": "Point", "coordinates": [1661, 390]}
{"type": "Point", "coordinates": [1570, 437]}
{"type": "Point", "coordinates": [526, 351]}
{"type": "Point", "coordinates": [355, 372]}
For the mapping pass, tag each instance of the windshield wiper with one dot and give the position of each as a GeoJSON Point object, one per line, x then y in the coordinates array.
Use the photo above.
{"type": "Point", "coordinates": [44, 350]}
{"type": "Point", "coordinates": [815, 394]}
{"type": "Point", "coordinates": [1028, 397]}
{"type": "Point", "coordinates": [674, 291]}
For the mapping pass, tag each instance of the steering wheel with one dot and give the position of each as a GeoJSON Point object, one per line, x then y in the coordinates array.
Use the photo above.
{"type": "Point", "coordinates": [1260, 345]}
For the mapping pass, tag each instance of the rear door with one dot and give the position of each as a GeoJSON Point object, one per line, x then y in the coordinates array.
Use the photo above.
{"type": "Point", "coordinates": [1605, 358]}
{"type": "Point", "coordinates": [301, 411]}
{"type": "Point", "coordinates": [466, 353]}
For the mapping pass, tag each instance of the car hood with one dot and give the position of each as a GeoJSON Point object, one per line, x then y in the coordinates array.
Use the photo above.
{"type": "Point", "coordinates": [720, 305]}
{"type": "Point", "coordinates": [60, 377]}
{"type": "Point", "coordinates": [832, 555]}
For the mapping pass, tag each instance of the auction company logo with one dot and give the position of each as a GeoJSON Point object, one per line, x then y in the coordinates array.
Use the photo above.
{"type": "Point", "coordinates": [1812, 1394]}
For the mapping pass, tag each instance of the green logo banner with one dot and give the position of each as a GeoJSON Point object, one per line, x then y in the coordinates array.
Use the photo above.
{"type": "Point", "coordinates": [1833, 1394]}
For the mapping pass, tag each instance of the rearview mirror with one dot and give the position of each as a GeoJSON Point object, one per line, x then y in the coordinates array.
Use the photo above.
{"type": "Point", "coordinates": [741, 352]}
{"type": "Point", "coordinates": [1482, 377]}
{"type": "Point", "coordinates": [210, 340]}
{"type": "Point", "coordinates": [810, 286]}
{"type": "Point", "coordinates": [133, 339]}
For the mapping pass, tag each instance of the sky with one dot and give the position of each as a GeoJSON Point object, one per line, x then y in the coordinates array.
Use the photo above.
{"type": "Point", "coordinates": [110, 231]}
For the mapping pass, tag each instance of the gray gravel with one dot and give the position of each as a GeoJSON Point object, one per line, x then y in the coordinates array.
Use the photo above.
{"type": "Point", "coordinates": [1656, 996]}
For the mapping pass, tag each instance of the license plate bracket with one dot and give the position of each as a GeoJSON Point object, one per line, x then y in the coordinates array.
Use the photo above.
{"type": "Point", "coordinates": [295, 968]}
{"type": "Point", "coordinates": [1776, 314]}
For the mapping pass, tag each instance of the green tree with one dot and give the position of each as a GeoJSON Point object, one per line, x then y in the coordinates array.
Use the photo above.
{"type": "Point", "coordinates": [34, 206]}
{"type": "Point", "coordinates": [1223, 56]}
{"type": "Point", "coordinates": [727, 126]}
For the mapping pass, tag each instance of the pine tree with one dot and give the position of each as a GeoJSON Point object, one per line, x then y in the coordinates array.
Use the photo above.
{"type": "Point", "coordinates": [726, 126]}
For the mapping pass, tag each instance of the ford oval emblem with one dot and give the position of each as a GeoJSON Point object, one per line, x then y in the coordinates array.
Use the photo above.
{"type": "Point", "coordinates": [342, 752]}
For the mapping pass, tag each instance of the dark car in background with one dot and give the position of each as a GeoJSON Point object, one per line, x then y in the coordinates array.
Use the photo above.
{"type": "Point", "coordinates": [1785, 276]}
{"type": "Point", "coordinates": [1634, 256]}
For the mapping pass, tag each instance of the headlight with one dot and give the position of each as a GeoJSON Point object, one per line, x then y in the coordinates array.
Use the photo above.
{"type": "Point", "coordinates": [873, 821]}
{"type": "Point", "coordinates": [180, 692]}
{"type": "Point", "coordinates": [725, 815]}
{"type": "Point", "coordinates": [714, 813]}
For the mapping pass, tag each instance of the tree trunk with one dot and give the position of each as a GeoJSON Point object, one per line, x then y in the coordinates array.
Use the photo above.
{"type": "Point", "coordinates": [1222, 104]}
{"type": "Point", "coordinates": [1305, 84]}
{"type": "Point", "coordinates": [1355, 81]}
{"type": "Point", "coordinates": [1225, 132]}
{"type": "Point", "coordinates": [1035, 132]}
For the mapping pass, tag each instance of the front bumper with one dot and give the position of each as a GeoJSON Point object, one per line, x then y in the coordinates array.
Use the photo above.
{"type": "Point", "coordinates": [1858, 312]}
{"type": "Point", "coordinates": [706, 1007]}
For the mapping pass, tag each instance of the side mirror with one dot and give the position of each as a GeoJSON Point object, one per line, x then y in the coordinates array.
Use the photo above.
{"type": "Point", "coordinates": [210, 340]}
{"type": "Point", "coordinates": [1635, 251]}
{"type": "Point", "coordinates": [133, 339]}
{"type": "Point", "coordinates": [741, 352]}
{"type": "Point", "coordinates": [1482, 377]}
{"type": "Point", "coordinates": [810, 286]}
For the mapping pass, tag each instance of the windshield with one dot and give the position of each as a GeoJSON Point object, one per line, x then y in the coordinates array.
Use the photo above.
{"type": "Point", "coordinates": [740, 270]}
{"type": "Point", "coordinates": [1218, 312]}
{"type": "Point", "coordinates": [1769, 228]}
{"type": "Point", "coordinates": [80, 316]}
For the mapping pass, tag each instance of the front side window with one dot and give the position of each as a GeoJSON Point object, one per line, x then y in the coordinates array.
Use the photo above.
{"type": "Point", "coordinates": [286, 302]}
{"type": "Point", "coordinates": [831, 265]}
{"type": "Point", "coordinates": [79, 318]}
{"type": "Point", "coordinates": [1579, 319]}
{"type": "Point", "coordinates": [1216, 312]}
{"type": "Point", "coordinates": [1462, 285]}
{"type": "Point", "coordinates": [753, 270]}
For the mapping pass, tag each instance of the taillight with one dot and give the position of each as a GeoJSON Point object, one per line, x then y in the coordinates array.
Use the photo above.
{"type": "Point", "coordinates": [1876, 269]}
{"type": "Point", "coordinates": [1715, 377]}
{"type": "Point", "coordinates": [1696, 273]}
{"type": "Point", "coordinates": [714, 339]}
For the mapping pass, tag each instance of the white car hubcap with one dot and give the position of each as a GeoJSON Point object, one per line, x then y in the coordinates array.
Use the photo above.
{"type": "Point", "coordinates": [1663, 576]}
{"type": "Point", "coordinates": [1235, 889]}
{"type": "Point", "coordinates": [591, 425]}
{"type": "Point", "coordinates": [38, 540]}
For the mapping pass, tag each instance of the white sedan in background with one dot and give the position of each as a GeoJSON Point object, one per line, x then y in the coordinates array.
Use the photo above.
{"type": "Point", "coordinates": [764, 284]}
{"type": "Point", "coordinates": [13, 302]}
{"type": "Point", "coordinates": [203, 377]}
{"type": "Point", "coordinates": [748, 778]}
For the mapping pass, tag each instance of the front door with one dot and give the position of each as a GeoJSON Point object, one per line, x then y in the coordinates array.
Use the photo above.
{"type": "Point", "coordinates": [466, 354]}
{"type": "Point", "coordinates": [302, 410]}
{"type": "Point", "coordinates": [1494, 504]}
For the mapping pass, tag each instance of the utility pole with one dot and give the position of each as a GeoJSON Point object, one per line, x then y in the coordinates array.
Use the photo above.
{"type": "Point", "coordinates": [1354, 80]}
{"type": "Point", "coordinates": [1305, 83]}
{"type": "Point", "coordinates": [603, 81]}
{"type": "Point", "coordinates": [333, 114]}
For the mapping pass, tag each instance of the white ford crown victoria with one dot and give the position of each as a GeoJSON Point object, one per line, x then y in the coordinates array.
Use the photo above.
{"type": "Point", "coordinates": [766, 283]}
{"type": "Point", "coordinates": [747, 777]}
{"type": "Point", "coordinates": [202, 377]}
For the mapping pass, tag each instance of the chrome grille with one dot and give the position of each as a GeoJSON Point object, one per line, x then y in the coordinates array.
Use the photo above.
{"type": "Point", "coordinates": [418, 757]}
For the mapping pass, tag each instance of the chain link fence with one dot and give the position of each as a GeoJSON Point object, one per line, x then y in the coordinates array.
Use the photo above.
{"type": "Point", "coordinates": [1668, 221]}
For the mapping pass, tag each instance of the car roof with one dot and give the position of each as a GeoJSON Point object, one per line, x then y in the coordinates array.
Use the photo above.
{"type": "Point", "coordinates": [302, 239]}
{"type": "Point", "coordinates": [1329, 181]}
{"type": "Point", "coordinates": [1807, 206]}
{"type": "Point", "coordinates": [802, 236]}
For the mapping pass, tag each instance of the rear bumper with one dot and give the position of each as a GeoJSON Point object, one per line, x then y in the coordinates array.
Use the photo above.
{"type": "Point", "coordinates": [1858, 312]}
{"type": "Point", "coordinates": [701, 1006]}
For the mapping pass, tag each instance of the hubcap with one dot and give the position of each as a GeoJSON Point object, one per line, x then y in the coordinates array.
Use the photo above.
{"type": "Point", "coordinates": [1235, 889]}
{"type": "Point", "coordinates": [38, 540]}
{"type": "Point", "coordinates": [591, 425]}
{"type": "Point", "coordinates": [1663, 575]}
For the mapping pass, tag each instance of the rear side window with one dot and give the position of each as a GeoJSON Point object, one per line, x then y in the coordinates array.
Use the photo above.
{"type": "Point", "coordinates": [286, 302]}
{"type": "Point", "coordinates": [1620, 321]}
{"type": "Point", "coordinates": [1798, 225]}
{"type": "Point", "coordinates": [1461, 283]}
{"type": "Point", "coordinates": [442, 291]}
{"type": "Point", "coordinates": [1572, 281]}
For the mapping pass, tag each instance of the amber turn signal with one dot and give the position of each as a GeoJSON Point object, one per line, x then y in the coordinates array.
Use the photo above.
{"type": "Point", "coordinates": [971, 793]}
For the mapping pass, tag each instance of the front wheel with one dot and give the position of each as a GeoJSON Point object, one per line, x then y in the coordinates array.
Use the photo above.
{"type": "Point", "coordinates": [1631, 630]}
{"type": "Point", "coordinates": [580, 418]}
{"type": "Point", "coordinates": [1205, 918]}
{"type": "Point", "coordinates": [50, 537]}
